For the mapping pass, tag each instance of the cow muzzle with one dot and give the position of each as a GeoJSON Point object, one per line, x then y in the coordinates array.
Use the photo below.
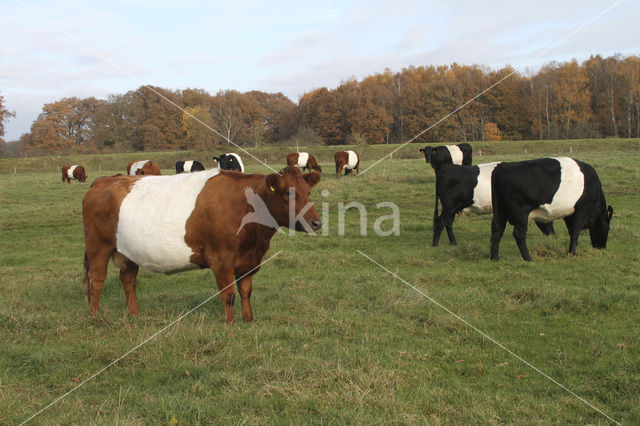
{"type": "Point", "coordinates": [316, 224]}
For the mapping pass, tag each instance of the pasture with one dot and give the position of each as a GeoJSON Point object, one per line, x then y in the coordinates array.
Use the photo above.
{"type": "Point", "coordinates": [336, 339]}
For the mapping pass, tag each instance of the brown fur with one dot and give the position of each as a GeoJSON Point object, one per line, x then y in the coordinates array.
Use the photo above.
{"type": "Point", "coordinates": [150, 168]}
{"type": "Point", "coordinates": [342, 159]}
{"type": "Point", "coordinates": [211, 231]}
{"type": "Point", "coordinates": [312, 164]}
{"type": "Point", "coordinates": [79, 173]}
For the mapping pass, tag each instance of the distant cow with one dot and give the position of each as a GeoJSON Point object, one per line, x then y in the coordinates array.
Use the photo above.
{"type": "Point", "coordinates": [303, 160]}
{"type": "Point", "coordinates": [230, 161]}
{"type": "Point", "coordinates": [548, 189]}
{"type": "Point", "coordinates": [465, 189]}
{"type": "Point", "coordinates": [219, 220]}
{"type": "Point", "coordinates": [188, 166]}
{"type": "Point", "coordinates": [144, 167]}
{"type": "Point", "coordinates": [460, 154]}
{"type": "Point", "coordinates": [73, 172]}
{"type": "Point", "coordinates": [349, 160]}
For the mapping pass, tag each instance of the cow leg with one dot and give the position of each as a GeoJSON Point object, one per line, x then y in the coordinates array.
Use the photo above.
{"type": "Point", "coordinates": [448, 223]}
{"type": "Point", "coordinates": [244, 288]}
{"type": "Point", "coordinates": [358, 167]}
{"type": "Point", "coordinates": [225, 278]}
{"type": "Point", "coordinates": [520, 234]}
{"type": "Point", "coordinates": [444, 220]}
{"type": "Point", "coordinates": [498, 223]}
{"type": "Point", "coordinates": [339, 169]}
{"type": "Point", "coordinates": [96, 272]}
{"type": "Point", "coordinates": [128, 277]}
{"type": "Point", "coordinates": [574, 226]}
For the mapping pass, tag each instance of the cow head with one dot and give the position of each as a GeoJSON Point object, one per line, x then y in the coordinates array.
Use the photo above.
{"type": "Point", "coordinates": [438, 156]}
{"type": "Point", "coordinates": [288, 199]}
{"type": "Point", "coordinates": [227, 162]}
{"type": "Point", "coordinates": [599, 230]}
{"type": "Point", "coordinates": [427, 153]}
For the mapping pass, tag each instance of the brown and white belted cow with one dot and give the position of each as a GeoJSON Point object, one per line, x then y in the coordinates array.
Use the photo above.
{"type": "Point", "coordinates": [144, 167]}
{"type": "Point", "coordinates": [304, 160]}
{"type": "Point", "coordinates": [349, 160]}
{"type": "Point", "coordinates": [214, 219]}
{"type": "Point", "coordinates": [73, 172]}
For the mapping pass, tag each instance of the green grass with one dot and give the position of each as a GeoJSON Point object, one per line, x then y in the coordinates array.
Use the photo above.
{"type": "Point", "coordinates": [335, 338]}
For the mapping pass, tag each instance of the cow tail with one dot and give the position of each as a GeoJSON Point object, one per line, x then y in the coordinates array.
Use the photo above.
{"type": "Point", "coordinates": [86, 283]}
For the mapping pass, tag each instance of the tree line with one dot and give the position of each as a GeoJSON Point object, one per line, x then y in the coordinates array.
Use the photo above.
{"type": "Point", "coordinates": [597, 98]}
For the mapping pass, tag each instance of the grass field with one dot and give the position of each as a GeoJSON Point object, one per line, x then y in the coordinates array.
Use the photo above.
{"type": "Point", "coordinates": [336, 339]}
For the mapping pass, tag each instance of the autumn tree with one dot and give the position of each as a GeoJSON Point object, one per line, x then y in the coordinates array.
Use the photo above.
{"type": "Point", "coordinates": [320, 111]}
{"type": "Point", "coordinates": [62, 126]}
{"type": "Point", "coordinates": [5, 114]}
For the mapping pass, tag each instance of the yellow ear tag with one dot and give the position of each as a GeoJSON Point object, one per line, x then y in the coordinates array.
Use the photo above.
{"type": "Point", "coordinates": [272, 188]}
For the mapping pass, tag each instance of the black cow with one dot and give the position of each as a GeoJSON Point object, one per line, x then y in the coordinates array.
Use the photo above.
{"type": "Point", "coordinates": [460, 154]}
{"type": "Point", "coordinates": [465, 189]}
{"type": "Point", "coordinates": [230, 161]}
{"type": "Point", "coordinates": [188, 166]}
{"type": "Point", "coordinates": [547, 189]}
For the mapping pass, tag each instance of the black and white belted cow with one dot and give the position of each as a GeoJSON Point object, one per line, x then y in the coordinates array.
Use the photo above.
{"type": "Point", "coordinates": [465, 189]}
{"type": "Point", "coordinates": [547, 189]}
{"type": "Point", "coordinates": [188, 166]}
{"type": "Point", "coordinates": [438, 156]}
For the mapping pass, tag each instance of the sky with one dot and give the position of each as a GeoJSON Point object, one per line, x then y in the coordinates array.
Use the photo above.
{"type": "Point", "coordinates": [50, 50]}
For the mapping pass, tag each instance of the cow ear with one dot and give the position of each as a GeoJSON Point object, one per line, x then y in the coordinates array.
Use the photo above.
{"type": "Point", "coordinates": [312, 178]}
{"type": "Point", "coordinates": [272, 182]}
{"type": "Point", "coordinates": [609, 213]}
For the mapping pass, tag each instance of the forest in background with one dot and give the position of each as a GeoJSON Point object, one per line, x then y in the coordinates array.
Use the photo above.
{"type": "Point", "coordinates": [597, 98]}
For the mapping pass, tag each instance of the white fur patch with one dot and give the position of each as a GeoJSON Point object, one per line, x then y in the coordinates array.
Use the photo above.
{"type": "Point", "coordinates": [187, 166]}
{"type": "Point", "coordinates": [568, 193]}
{"type": "Point", "coordinates": [456, 154]}
{"type": "Point", "coordinates": [482, 191]}
{"type": "Point", "coordinates": [70, 171]}
{"type": "Point", "coordinates": [137, 166]}
{"type": "Point", "coordinates": [239, 160]}
{"type": "Point", "coordinates": [152, 220]}
{"type": "Point", "coordinates": [303, 158]}
{"type": "Point", "coordinates": [353, 160]}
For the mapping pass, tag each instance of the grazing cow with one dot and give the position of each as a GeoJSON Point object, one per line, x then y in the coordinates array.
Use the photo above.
{"type": "Point", "coordinates": [448, 154]}
{"type": "Point", "coordinates": [230, 161]}
{"type": "Point", "coordinates": [188, 166]}
{"type": "Point", "coordinates": [547, 189]}
{"type": "Point", "coordinates": [73, 172]}
{"type": "Point", "coordinates": [144, 167]}
{"type": "Point", "coordinates": [465, 189]}
{"type": "Point", "coordinates": [349, 160]}
{"type": "Point", "coordinates": [217, 220]}
{"type": "Point", "coordinates": [304, 160]}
